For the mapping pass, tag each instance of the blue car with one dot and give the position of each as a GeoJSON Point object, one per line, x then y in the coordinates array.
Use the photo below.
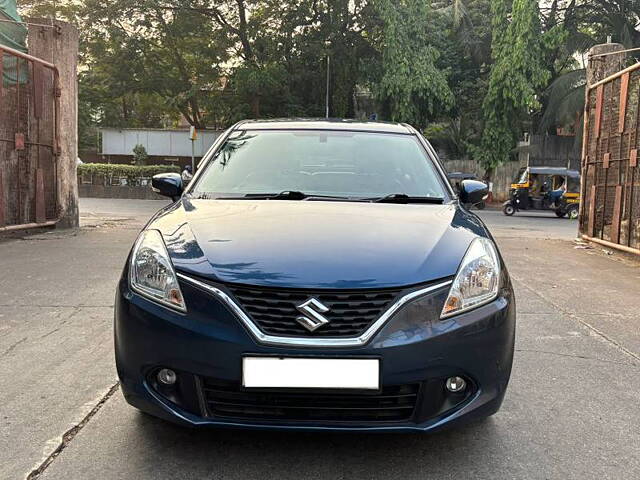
{"type": "Point", "coordinates": [316, 275]}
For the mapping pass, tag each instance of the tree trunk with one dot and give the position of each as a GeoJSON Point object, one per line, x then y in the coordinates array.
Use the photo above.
{"type": "Point", "coordinates": [125, 110]}
{"type": "Point", "coordinates": [255, 106]}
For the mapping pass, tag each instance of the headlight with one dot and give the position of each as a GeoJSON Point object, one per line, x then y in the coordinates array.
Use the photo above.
{"type": "Point", "coordinates": [477, 280]}
{"type": "Point", "coordinates": [151, 271]}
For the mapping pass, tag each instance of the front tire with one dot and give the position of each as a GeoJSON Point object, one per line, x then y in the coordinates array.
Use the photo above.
{"type": "Point", "coordinates": [572, 212]}
{"type": "Point", "coordinates": [560, 213]}
{"type": "Point", "coordinates": [508, 209]}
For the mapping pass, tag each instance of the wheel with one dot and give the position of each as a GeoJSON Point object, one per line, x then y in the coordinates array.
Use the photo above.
{"type": "Point", "coordinates": [480, 206]}
{"type": "Point", "coordinates": [560, 213]}
{"type": "Point", "coordinates": [508, 210]}
{"type": "Point", "coordinates": [572, 211]}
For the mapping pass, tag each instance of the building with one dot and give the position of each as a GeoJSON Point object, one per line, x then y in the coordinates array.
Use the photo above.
{"type": "Point", "coordinates": [162, 145]}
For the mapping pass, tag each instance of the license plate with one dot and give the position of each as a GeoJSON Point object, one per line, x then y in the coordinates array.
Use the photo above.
{"type": "Point", "coordinates": [278, 372]}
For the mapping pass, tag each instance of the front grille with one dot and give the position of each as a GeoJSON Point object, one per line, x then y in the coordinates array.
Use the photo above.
{"type": "Point", "coordinates": [393, 403]}
{"type": "Point", "coordinates": [350, 313]}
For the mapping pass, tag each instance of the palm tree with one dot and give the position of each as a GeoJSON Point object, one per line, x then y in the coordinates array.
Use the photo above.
{"type": "Point", "coordinates": [588, 23]}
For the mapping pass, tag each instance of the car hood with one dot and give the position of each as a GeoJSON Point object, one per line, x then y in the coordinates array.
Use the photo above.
{"type": "Point", "coordinates": [316, 244]}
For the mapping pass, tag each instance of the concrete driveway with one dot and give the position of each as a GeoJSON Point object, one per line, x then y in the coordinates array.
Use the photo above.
{"type": "Point", "coordinates": [571, 410]}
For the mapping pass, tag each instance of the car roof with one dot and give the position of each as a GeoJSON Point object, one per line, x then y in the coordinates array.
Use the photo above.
{"type": "Point", "coordinates": [325, 124]}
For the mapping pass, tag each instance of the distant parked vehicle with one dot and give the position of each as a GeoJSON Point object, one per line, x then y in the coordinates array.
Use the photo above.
{"type": "Point", "coordinates": [545, 188]}
{"type": "Point", "coordinates": [456, 179]}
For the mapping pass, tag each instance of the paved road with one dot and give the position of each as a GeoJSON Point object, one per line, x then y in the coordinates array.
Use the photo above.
{"type": "Point", "coordinates": [571, 410]}
{"type": "Point", "coordinates": [97, 210]}
{"type": "Point", "coordinates": [529, 224]}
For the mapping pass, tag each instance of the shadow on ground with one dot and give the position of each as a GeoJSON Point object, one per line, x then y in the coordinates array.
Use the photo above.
{"type": "Point", "coordinates": [250, 454]}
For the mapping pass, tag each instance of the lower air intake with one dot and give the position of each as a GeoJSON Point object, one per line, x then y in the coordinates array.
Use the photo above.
{"type": "Point", "coordinates": [393, 403]}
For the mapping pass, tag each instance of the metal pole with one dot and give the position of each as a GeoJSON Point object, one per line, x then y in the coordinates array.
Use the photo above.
{"type": "Point", "coordinates": [193, 157]}
{"type": "Point", "coordinates": [327, 96]}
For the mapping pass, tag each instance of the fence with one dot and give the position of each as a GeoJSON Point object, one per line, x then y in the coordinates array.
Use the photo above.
{"type": "Point", "coordinates": [29, 106]}
{"type": "Point", "coordinates": [501, 178]}
{"type": "Point", "coordinates": [610, 209]}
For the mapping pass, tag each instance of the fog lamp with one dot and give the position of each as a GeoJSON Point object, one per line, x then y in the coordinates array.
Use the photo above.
{"type": "Point", "coordinates": [455, 384]}
{"type": "Point", "coordinates": [167, 376]}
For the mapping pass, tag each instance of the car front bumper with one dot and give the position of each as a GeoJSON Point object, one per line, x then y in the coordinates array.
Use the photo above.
{"type": "Point", "coordinates": [208, 343]}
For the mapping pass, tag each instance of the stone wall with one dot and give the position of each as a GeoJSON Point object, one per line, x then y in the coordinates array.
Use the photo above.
{"type": "Point", "coordinates": [118, 191]}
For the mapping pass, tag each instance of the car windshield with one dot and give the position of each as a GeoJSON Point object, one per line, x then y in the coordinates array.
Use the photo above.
{"type": "Point", "coordinates": [323, 163]}
{"type": "Point", "coordinates": [522, 176]}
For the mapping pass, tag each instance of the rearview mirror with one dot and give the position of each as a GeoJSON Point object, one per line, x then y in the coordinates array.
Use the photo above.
{"type": "Point", "coordinates": [167, 185]}
{"type": "Point", "coordinates": [473, 191]}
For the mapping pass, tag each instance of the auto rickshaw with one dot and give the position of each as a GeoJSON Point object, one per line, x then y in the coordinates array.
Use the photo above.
{"type": "Point", "coordinates": [545, 188]}
{"type": "Point", "coordinates": [456, 179]}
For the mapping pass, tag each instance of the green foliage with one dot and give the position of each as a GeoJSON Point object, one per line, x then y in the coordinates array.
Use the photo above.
{"type": "Point", "coordinates": [412, 87]}
{"type": "Point", "coordinates": [565, 100]}
{"type": "Point", "coordinates": [148, 63]}
{"type": "Point", "coordinates": [465, 46]}
{"type": "Point", "coordinates": [132, 173]}
{"type": "Point", "coordinates": [477, 73]}
{"type": "Point", "coordinates": [140, 155]}
{"type": "Point", "coordinates": [574, 27]}
{"type": "Point", "coordinates": [259, 86]}
{"type": "Point", "coordinates": [517, 75]}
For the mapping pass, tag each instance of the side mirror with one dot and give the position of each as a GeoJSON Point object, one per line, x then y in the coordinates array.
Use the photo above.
{"type": "Point", "coordinates": [167, 185]}
{"type": "Point", "coordinates": [473, 191]}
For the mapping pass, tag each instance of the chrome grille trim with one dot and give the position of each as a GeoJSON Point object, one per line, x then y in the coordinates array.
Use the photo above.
{"type": "Point", "coordinates": [347, 312]}
{"type": "Point", "coordinates": [311, 342]}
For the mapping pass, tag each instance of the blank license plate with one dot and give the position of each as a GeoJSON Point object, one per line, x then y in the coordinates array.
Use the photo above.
{"type": "Point", "coordinates": [276, 372]}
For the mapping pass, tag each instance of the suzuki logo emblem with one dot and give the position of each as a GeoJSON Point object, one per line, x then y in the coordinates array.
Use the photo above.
{"type": "Point", "coordinates": [312, 317]}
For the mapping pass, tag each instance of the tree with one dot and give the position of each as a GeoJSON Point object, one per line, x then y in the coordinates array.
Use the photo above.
{"type": "Point", "coordinates": [411, 86]}
{"type": "Point", "coordinates": [144, 48]}
{"type": "Point", "coordinates": [465, 46]}
{"type": "Point", "coordinates": [585, 23]}
{"type": "Point", "coordinates": [140, 155]}
{"type": "Point", "coordinates": [65, 10]}
{"type": "Point", "coordinates": [517, 75]}
{"type": "Point", "coordinates": [474, 72]}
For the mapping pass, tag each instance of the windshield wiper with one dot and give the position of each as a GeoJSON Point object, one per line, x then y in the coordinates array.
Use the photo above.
{"type": "Point", "coordinates": [404, 198]}
{"type": "Point", "coordinates": [298, 195]}
{"type": "Point", "coordinates": [284, 195]}
{"type": "Point", "coordinates": [200, 196]}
